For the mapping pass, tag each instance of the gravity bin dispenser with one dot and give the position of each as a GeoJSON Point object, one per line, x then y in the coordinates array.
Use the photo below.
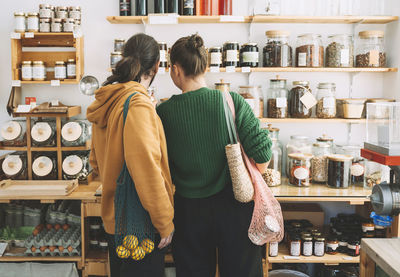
{"type": "Point", "coordinates": [383, 146]}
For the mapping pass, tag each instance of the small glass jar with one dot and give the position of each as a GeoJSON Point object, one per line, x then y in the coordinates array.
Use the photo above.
{"type": "Point", "coordinates": [380, 231]}
{"type": "Point", "coordinates": [56, 25]}
{"type": "Point", "coordinates": [295, 246]}
{"type": "Point", "coordinates": [326, 96]}
{"type": "Point", "coordinates": [326, 139]}
{"type": "Point", "coordinates": [277, 105]}
{"type": "Point", "coordinates": [297, 144]}
{"type": "Point", "coordinates": [309, 51]}
{"type": "Point", "coordinates": [26, 70]}
{"type": "Point", "coordinates": [358, 163]}
{"type": "Point", "coordinates": [68, 25]}
{"type": "Point", "coordinates": [319, 246]}
{"type": "Point", "coordinates": [307, 246]}
{"type": "Point", "coordinates": [38, 71]}
{"type": "Point", "coordinates": [353, 247]}
{"type": "Point", "coordinates": [215, 57]}
{"type": "Point", "coordinates": [249, 55]}
{"type": "Point", "coordinates": [340, 51]}
{"type": "Point", "coordinates": [33, 22]}
{"type": "Point", "coordinates": [368, 229]}
{"type": "Point", "coordinates": [273, 174]}
{"type": "Point", "coordinates": [273, 249]}
{"type": "Point", "coordinates": [371, 50]}
{"type": "Point", "coordinates": [339, 170]}
{"type": "Point", "coordinates": [277, 52]}
{"type": "Point", "coordinates": [45, 25]}
{"type": "Point", "coordinates": [163, 54]}
{"type": "Point", "coordinates": [71, 69]}
{"type": "Point", "coordinates": [13, 133]}
{"type": "Point", "coordinates": [119, 45]}
{"type": "Point", "coordinates": [44, 166]}
{"type": "Point", "coordinates": [19, 22]}
{"type": "Point", "coordinates": [62, 12]}
{"type": "Point", "coordinates": [252, 95]}
{"type": "Point", "coordinates": [375, 174]}
{"type": "Point", "coordinates": [342, 244]}
{"type": "Point", "coordinates": [332, 246]}
{"type": "Point", "coordinates": [115, 58]}
{"type": "Point", "coordinates": [74, 12]}
{"type": "Point", "coordinates": [231, 54]}
{"type": "Point", "coordinates": [296, 107]}
{"type": "Point", "coordinates": [300, 169]}
{"type": "Point", "coordinates": [319, 162]}
{"type": "Point", "coordinates": [60, 71]}
{"type": "Point", "coordinates": [44, 11]}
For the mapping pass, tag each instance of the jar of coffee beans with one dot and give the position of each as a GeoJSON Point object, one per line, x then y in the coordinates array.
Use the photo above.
{"type": "Point", "coordinates": [276, 104]}
{"type": "Point", "coordinates": [339, 171]}
{"type": "Point", "coordinates": [371, 51]}
{"type": "Point", "coordinates": [296, 107]}
{"type": "Point", "coordinates": [277, 51]}
{"type": "Point", "coordinates": [320, 161]}
{"type": "Point", "coordinates": [326, 96]}
{"type": "Point", "coordinates": [309, 51]}
{"type": "Point", "coordinates": [339, 52]}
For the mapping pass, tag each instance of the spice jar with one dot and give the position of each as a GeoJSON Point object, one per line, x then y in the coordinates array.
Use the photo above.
{"type": "Point", "coordinates": [38, 71]}
{"type": "Point", "coordinates": [297, 144]}
{"type": "Point", "coordinates": [342, 244]}
{"type": "Point", "coordinates": [332, 246]}
{"type": "Point", "coordinates": [68, 25]}
{"type": "Point", "coordinates": [339, 52]}
{"type": "Point", "coordinates": [33, 22]}
{"type": "Point", "coordinates": [119, 45]}
{"type": "Point", "coordinates": [115, 58]}
{"type": "Point", "coordinates": [19, 22]}
{"type": "Point", "coordinates": [222, 86]}
{"type": "Point", "coordinates": [300, 169]}
{"type": "Point", "coordinates": [13, 133]}
{"type": "Point", "coordinates": [319, 246]}
{"type": "Point", "coordinates": [56, 25]}
{"type": "Point", "coordinates": [62, 12]}
{"type": "Point", "coordinates": [353, 247]}
{"type": "Point", "coordinates": [60, 71]}
{"type": "Point", "coordinates": [296, 107]}
{"type": "Point", "coordinates": [26, 70]}
{"type": "Point", "coordinates": [44, 26]}
{"type": "Point", "coordinates": [231, 54]}
{"type": "Point", "coordinates": [273, 249]}
{"type": "Point", "coordinates": [326, 106]}
{"type": "Point", "coordinates": [44, 11]}
{"type": "Point", "coordinates": [215, 56]}
{"type": "Point", "coordinates": [309, 51]}
{"type": "Point", "coordinates": [276, 105]}
{"type": "Point", "coordinates": [371, 50]}
{"type": "Point", "coordinates": [44, 166]}
{"type": "Point", "coordinates": [295, 245]}
{"type": "Point", "coordinates": [339, 170]}
{"type": "Point", "coordinates": [71, 69]}
{"type": "Point", "coordinates": [368, 228]}
{"type": "Point", "coordinates": [252, 95]}
{"type": "Point", "coordinates": [74, 12]}
{"type": "Point", "coordinates": [307, 246]}
{"type": "Point", "coordinates": [249, 55]}
{"type": "Point", "coordinates": [43, 133]}
{"type": "Point", "coordinates": [14, 166]}
{"type": "Point", "coordinates": [277, 51]}
{"type": "Point", "coordinates": [320, 162]}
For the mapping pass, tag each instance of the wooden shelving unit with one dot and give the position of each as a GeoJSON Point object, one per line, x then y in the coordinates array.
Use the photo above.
{"type": "Point", "coordinates": [312, 120]}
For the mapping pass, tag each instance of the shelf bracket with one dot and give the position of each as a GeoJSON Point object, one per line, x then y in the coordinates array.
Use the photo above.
{"type": "Point", "coordinates": [144, 26]}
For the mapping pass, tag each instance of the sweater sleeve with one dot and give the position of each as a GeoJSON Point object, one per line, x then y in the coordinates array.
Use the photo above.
{"type": "Point", "coordinates": [143, 156]}
{"type": "Point", "coordinates": [255, 140]}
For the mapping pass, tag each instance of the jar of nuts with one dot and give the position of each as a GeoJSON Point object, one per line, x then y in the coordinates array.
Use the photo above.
{"type": "Point", "coordinates": [326, 96]}
{"type": "Point", "coordinates": [371, 50]}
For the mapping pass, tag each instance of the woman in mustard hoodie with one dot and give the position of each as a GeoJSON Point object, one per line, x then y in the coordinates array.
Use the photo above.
{"type": "Point", "coordinates": [140, 143]}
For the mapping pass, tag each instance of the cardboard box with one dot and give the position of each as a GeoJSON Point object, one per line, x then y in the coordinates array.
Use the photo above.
{"type": "Point", "coordinates": [309, 211]}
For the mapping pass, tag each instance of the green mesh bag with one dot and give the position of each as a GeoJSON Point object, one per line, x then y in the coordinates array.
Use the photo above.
{"type": "Point", "coordinates": [130, 216]}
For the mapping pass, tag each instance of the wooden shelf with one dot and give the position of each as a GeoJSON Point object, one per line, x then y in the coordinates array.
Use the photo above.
{"type": "Point", "coordinates": [39, 259]}
{"type": "Point", "coordinates": [312, 120]}
{"type": "Point", "coordinates": [72, 111]}
{"type": "Point", "coordinates": [326, 259]}
{"type": "Point", "coordinates": [13, 148]}
{"type": "Point", "coordinates": [64, 82]}
{"type": "Point", "coordinates": [263, 19]}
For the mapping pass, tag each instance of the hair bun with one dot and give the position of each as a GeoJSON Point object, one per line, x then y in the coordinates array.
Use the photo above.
{"type": "Point", "coordinates": [195, 42]}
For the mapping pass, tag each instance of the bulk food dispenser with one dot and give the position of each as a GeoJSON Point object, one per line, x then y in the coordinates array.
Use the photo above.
{"type": "Point", "coordinates": [383, 146]}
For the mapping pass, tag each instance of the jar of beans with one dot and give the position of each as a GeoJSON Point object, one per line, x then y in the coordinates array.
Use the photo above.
{"type": "Point", "coordinates": [276, 105]}
{"type": "Point", "coordinates": [371, 50]}
{"type": "Point", "coordinates": [309, 51]}
{"type": "Point", "coordinates": [300, 169]}
{"type": "Point", "coordinates": [277, 51]}
{"type": "Point", "coordinates": [297, 109]}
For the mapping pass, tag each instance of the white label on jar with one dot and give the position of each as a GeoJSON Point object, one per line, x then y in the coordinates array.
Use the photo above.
{"type": "Point", "coordinates": [39, 72]}
{"type": "Point", "coordinates": [33, 23]}
{"type": "Point", "coordinates": [357, 169]}
{"type": "Point", "coordinates": [232, 55]}
{"type": "Point", "coordinates": [307, 248]}
{"type": "Point", "coordinates": [281, 102]}
{"type": "Point", "coordinates": [163, 55]}
{"type": "Point", "coordinates": [214, 69]}
{"type": "Point", "coordinates": [55, 27]}
{"type": "Point", "coordinates": [19, 24]}
{"type": "Point", "coordinates": [345, 57]}
{"type": "Point", "coordinates": [60, 72]}
{"type": "Point", "coordinates": [295, 248]}
{"type": "Point", "coordinates": [94, 242]}
{"type": "Point", "coordinates": [368, 228]}
{"type": "Point", "coordinates": [273, 249]}
{"type": "Point", "coordinates": [27, 72]}
{"type": "Point", "coordinates": [44, 13]}
{"type": "Point", "coordinates": [68, 27]}
{"type": "Point", "coordinates": [75, 14]}
{"type": "Point", "coordinates": [250, 57]}
{"type": "Point", "coordinates": [216, 58]}
{"type": "Point", "coordinates": [44, 27]}
{"type": "Point", "coordinates": [329, 102]}
{"type": "Point", "coordinates": [353, 247]}
{"type": "Point", "coordinates": [333, 246]}
{"type": "Point", "coordinates": [342, 243]}
{"type": "Point", "coordinates": [71, 70]}
{"type": "Point", "coordinates": [103, 244]}
{"type": "Point", "coordinates": [302, 59]}
{"type": "Point", "coordinates": [319, 248]}
{"type": "Point", "coordinates": [301, 173]}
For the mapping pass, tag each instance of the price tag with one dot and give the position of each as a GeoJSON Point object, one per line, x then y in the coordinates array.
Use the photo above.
{"type": "Point", "coordinates": [55, 102]}
{"type": "Point", "coordinates": [161, 19]}
{"type": "Point", "coordinates": [246, 69]}
{"type": "Point", "coordinates": [231, 18]}
{"type": "Point", "coordinates": [281, 102]}
{"type": "Point", "coordinates": [29, 35]}
{"type": "Point", "coordinates": [214, 69]}
{"type": "Point", "coordinates": [16, 35]}
{"type": "Point", "coordinates": [347, 258]}
{"type": "Point", "coordinates": [15, 83]}
{"type": "Point", "coordinates": [55, 83]}
{"type": "Point", "coordinates": [230, 69]}
{"type": "Point", "coordinates": [161, 70]}
{"type": "Point", "coordinates": [291, 258]}
{"type": "Point", "coordinates": [23, 108]}
{"type": "Point", "coordinates": [308, 100]}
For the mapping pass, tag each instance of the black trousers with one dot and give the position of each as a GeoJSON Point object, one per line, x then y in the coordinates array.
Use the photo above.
{"type": "Point", "coordinates": [219, 222]}
{"type": "Point", "coordinates": [151, 266]}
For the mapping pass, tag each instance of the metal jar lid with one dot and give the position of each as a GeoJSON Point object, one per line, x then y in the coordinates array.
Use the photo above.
{"type": "Point", "coordinates": [38, 63]}
{"type": "Point", "coordinates": [123, 40]}
{"type": "Point", "coordinates": [301, 83]}
{"type": "Point", "coordinates": [26, 62]}
{"type": "Point", "coordinates": [60, 63]}
{"type": "Point", "coordinates": [33, 14]}
{"type": "Point", "coordinates": [19, 14]}
{"type": "Point", "coordinates": [326, 85]}
{"type": "Point", "coordinates": [340, 157]}
{"type": "Point", "coordinates": [71, 61]}
{"type": "Point", "coordinates": [250, 44]}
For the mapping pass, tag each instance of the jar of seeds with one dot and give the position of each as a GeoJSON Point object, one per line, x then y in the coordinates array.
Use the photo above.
{"type": "Point", "coordinates": [319, 163]}
{"type": "Point", "coordinates": [371, 50]}
{"type": "Point", "coordinates": [277, 51]}
{"type": "Point", "coordinates": [339, 52]}
{"type": "Point", "coordinates": [272, 176]}
{"type": "Point", "coordinates": [309, 51]}
{"type": "Point", "coordinates": [326, 96]}
{"type": "Point", "coordinates": [275, 104]}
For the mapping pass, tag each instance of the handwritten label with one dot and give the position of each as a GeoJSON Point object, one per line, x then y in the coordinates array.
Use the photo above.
{"type": "Point", "coordinates": [29, 35]}
{"type": "Point", "coordinates": [161, 19]}
{"type": "Point", "coordinates": [231, 18]}
{"type": "Point", "coordinates": [230, 69]}
{"type": "Point", "coordinates": [214, 69]}
{"type": "Point", "coordinates": [23, 108]}
{"type": "Point", "coordinates": [15, 83]}
{"type": "Point", "coordinates": [55, 83]}
{"type": "Point", "coordinates": [246, 69]}
{"type": "Point", "coordinates": [308, 100]}
{"type": "Point", "coordinates": [16, 35]}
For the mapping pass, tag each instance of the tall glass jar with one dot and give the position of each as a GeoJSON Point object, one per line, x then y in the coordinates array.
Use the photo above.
{"type": "Point", "coordinates": [276, 105]}
{"type": "Point", "coordinates": [296, 107]}
{"type": "Point", "coordinates": [340, 51]}
{"type": "Point", "coordinates": [274, 172]}
{"type": "Point", "coordinates": [277, 51]}
{"type": "Point", "coordinates": [297, 144]}
{"type": "Point", "coordinates": [300, 169]}
{"type": "Point", "coordinates": [371, 50]}
{"type": "Point", "coordinates": [19, 22]}
{"type": "Point", "coordinates": [326, 96]}
{"type": "Point", "coordinates": [320, 161]}
{"type": "Point", "coordinates": [339, 170]}
{"type": "Point", "coordinates": [252, 96]}
{"type": "Point", "coordinates": [326, 139]}
{"type": "Point", "coordinates": [358, 164]}
{"type": "Point", "coordinates": [309, 51]}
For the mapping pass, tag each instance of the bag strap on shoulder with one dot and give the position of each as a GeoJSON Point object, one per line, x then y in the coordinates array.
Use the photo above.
{"type": "Point", "coordinates": [126, 105]}
{"type": "Point", "coordinates": [229, 117]}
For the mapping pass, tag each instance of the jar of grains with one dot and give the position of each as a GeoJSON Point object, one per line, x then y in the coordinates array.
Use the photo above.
{"type": "Point", "coordinates": [33, 22]}
{"type": "Point", "coordinates": [44, 26]}
{"type": "Point", "coordinates": [320, 161]}
{"type": "Point", "coordinates": [19, 22]}
{"type": "Point", "coordinates": [276, 105]}
{"type": "Point", "coordinates": [273, 174]}
{"type": "Point", "coordinates": [300, 169]}
{"type": "Point", "coordinates": [68, 25]}
{"type": "Point", "coordinates": [277, 51]}
{"type": "Point", "coordinates": [119, 45]}
{"type": "Point", "coordinates": [340, 51]}
{"type": "Point", "coordinates": [297, 144]}
{"type": "Point", "coordinates": [56, 25]}
{"type": "Point", "coordinates": [309, 51]}
{"type": "Point", "coordinates": [371, 49]}
{"type": "Point", "coordinates": [249, 55]}
{"type": "Point", "coordinates": [215, 57]}
{"type": "Point", "coordinates": [44, 11]}
{"type": "Point", "coordinates": [26, 69]}
{"type": "Point", "coordinates": [231, 54]}
{"type": "Point", "coordinates": [60, 71]}
{"type": "Point", "coordinates": [339, 170]}
{"type": "Point", "coordinates": [326, 96]}
{"type": "Point", "coordinates": [296, 107]}
{"type": "Point", "coordinates": [38, 71]}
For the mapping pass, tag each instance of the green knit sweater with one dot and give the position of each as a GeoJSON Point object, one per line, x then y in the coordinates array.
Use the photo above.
{"type": "Point", "coordinates": [196, 132]}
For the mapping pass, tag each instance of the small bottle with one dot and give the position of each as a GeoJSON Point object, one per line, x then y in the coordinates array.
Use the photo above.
{"type": "Point", "coordinates": [273, 249]}
{"type": "Point", "coordinates": [71, 69]}
{"type": "Point", "coordinates": [368, 229]}
{"type": "Point", "coordinates": [38, 71]}
{"type": "Point", "coordinates": [319, 246]}
{"type": "Point", "coordinates": [295, 246]}
{"type": "Point", "coordinates": [44, 26]}
{"type": "Point", "coordinates": [332, 246]}
{"type": "Point", "coordinates": [141, 7]}
{"type": "Point", "coordinates": [124, 7]}
{"type": "Point", "coordinates": [307, 246]}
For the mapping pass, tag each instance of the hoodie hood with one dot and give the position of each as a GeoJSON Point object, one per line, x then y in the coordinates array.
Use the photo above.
{"type": "Point", "coordinates": [106, 99]}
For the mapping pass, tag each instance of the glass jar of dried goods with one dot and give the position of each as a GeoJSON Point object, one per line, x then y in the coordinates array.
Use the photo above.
{"type": "Point", "coordinates": [297, 144]}
{"type": "Point", "coordinates": [33, 22]}
{"type": "Point", "coordinates": [296, 107]}
{"type": "Point", "coordinates": [38, 71]}
{"type": "Point", "coordinates": [75, 166]}
{"type": "Point", "coordinates": [249, 55]}
{"type": "Point", "coordinates": [163, 54]}
{"type": "Point", "coordinates": [339, 170]}
{"type": "Point", "coordinates": [326, 96]}
{"type": "Point", "coordinates": [62, 12]}
{"type": "Point", "coordinates": [44, 166]}
{"type": "Point", "coordinates": [19, 22]}
{"type": "Point", "coordinates": [371, 49]}
{"type": "Point", "coordinates": [273, 174]}
{"type": "Point", "coordinates": [68, 25]}
{"type": "Point", "coordinates": [56, 25]}
{"type": "Point", "coordinates": [119, 45]}
{"type": "Point", "coordinates": [71, 69]}
{"type": "Point", "coordinates": [319, 246]}
{"type": "Point", "coordinates": [60, 71]}
{"type": "Point", "coordinates": [14, 166]}
{"type": "Point", "coordinates": [26, 71]}
{"type": "Point", "coordinates": [45, 25]}
{"type": "Point", "coordinates": [231, 54]}
{"type": "Point", "coordinates": [309, 51]}
{"type": "Point", "coordinates": [300, 169]}
{"type": "Point", "coordinates": [358, 163]}
{"type": "Point", "coordinates": [368, 228]}
{"type": "Point", "coordinates": [340, 51]}
{"type": "Point", "coordinates": [44, 11]}
{"type": "Point", "coordinates": [277, 51]}
{"type": "Point", "coordinates": [252, 96]}
{"type": "Point", "coordinates": [215, 57]}
{"type": "Point", "coordinates": [332, 245]}
{"type": "Point", "coordinates": [43, 133]}
{"type": "Point", "coordinates": [74, 12]}
{"type": "Point", "coordinates": [320, 162]}
{"type": "Point", "coordinates": [276, 105]}
{"type": "Point", "coordinates": [13, 133]}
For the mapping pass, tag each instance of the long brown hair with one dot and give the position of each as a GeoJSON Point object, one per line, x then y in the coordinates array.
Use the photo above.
{"type": "Point", "coordinates": [140, 55]}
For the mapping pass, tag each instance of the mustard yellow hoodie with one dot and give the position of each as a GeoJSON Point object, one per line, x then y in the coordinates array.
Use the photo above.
{"type": "Point", "coordinates": [143, 146]}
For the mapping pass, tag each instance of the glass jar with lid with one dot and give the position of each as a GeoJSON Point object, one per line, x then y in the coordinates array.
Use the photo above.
{"type": "Point", "coordinates": [43, 133]}
{"type": "Point", "coordinates": [44, 11]}
{"type": "Point", "coordinates": [38, 71]}
{"type": "Point", "coordinates": [273, 174]}
{"type": "Point", "coordinates": [13, 133]}
{"type": "Point", "coordinates": [277, 52]}
{"type": "Point", "coordinates": [371, 50]}
{"type": "Point", "coordinates": [33, 22]}
{"type": "Point", "coordinates": [44, 166]}
{"type": "Point", "coordinates": [340, 51]}
{"type": "Point", "coordinates": [119, 45]}
{"type": "Point", "coordinates": [319, 246]}
{"type": "Point", "coordinates": [74, 12]}
{"type": "Point", "coordinates": [60, 70]}
{"type": "Point", "coordinates": [297, 144]}
{"type": "Point", "coordinates": [339, 170]}
{"type": "Point", "coordinates": [62, 12]}
{"type": "Point", "coordinates": [71, 69]}
{"type": "Point", "coordinates": [75, 165]}
{"type": "Point", "coordinates": [326, 97]}
{"type": "Point", "coordinates": [26, 70]}
{"type": "Point", "coordinates": [75, 133]}
{"type": "Point", "coordinates": [14, 166]}
{"type": "Point", "coordinates": [249, 55]}
{"type": "Point", "coordinates": [375, 174]}
{"type": "Point", "coordinates": [252, 96]}
{"type": "Point", "coordinates": [68, 25]}
{"type": "Point", "coordinates": [358, 163]}
{"type": "Point", "coordinates": [296, 107]}
{"type": "Point", "coordinates": [231, 54]}
{"type": "Point", "coordinates": [215, 57]}
{"type": "Point", "coordinates": [19, 22]}
{"type": "Point", "coordinates": [115, 58]}
{"type": "Point", "coordinates": [45, 25]}
{"type": "Point", "coordinates": [319, 162]}
{"type": "Point", "coordinates": [326, 139]}
{"type": "Point", "coordinates": [276, 105]}
{"type": "Point", "coordinates": [56, 25]}
{"type": "Point", "coordinates": [300, 169]}
{"type": "Point", "coordinates": [309, 51]}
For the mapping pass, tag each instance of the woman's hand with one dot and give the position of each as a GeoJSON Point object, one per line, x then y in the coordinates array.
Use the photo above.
{"type": "Point", "coordinates": [166, 241]}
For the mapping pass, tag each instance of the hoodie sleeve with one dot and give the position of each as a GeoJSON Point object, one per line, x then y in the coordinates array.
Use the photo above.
{"type": "Point", "coordinates": [143, 156]}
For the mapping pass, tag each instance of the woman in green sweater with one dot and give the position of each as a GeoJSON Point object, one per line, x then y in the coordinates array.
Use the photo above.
{"type": "Point", "coordinates": [207, 217]}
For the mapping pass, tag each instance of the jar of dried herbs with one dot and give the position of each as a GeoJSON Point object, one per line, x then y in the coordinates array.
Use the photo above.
{"type": "Point", "coordinates": [326, 96]}
{"type": "Point", "coordinates": [339, 52]}
{"type": "Point", "coordinates": [277, 51]}
{"type": "Point", "coordinates": [309, 51]}
{"type": "Point", "coordinates": [275, 104]}
{"type": "Point", "coordinates": [371, 49]}
{"type": "Point", "coordinates": [297, 109]}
